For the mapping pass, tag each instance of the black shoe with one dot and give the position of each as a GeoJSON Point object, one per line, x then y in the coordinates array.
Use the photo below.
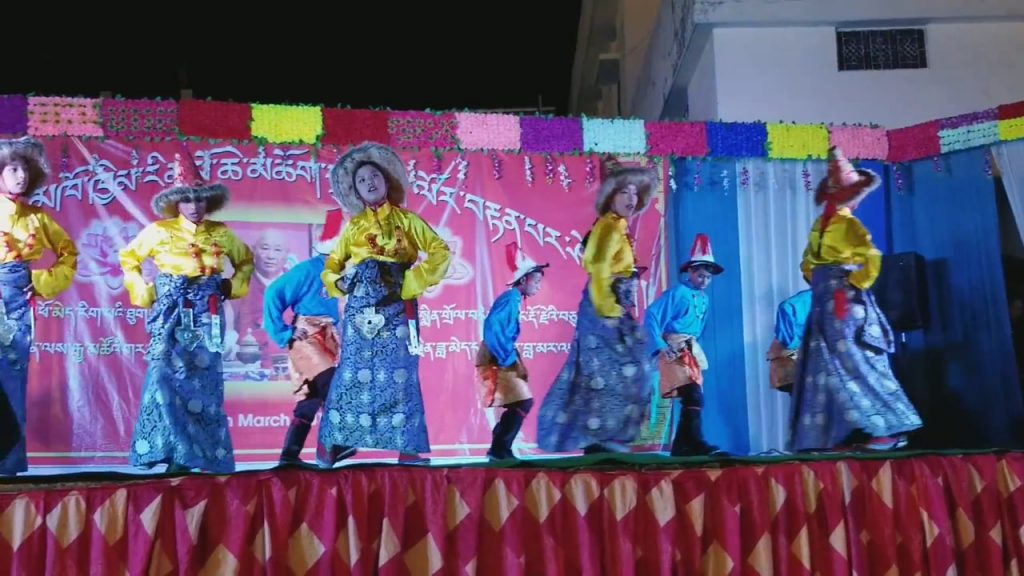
{"type": "Point", "coordinates": [495, 456]}
{"type": "Point", "coordinates": [293, 462]}
{"type": "Point", "coordinates": [698, 449]}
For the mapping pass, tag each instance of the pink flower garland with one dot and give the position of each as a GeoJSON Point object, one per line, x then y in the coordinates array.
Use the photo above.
{"type": "Point", "coordinates": [64, 117]}
{"type": "Point", "coordinates": [860, 142]}
{"type": "Point", "coordinates": [487, 131]}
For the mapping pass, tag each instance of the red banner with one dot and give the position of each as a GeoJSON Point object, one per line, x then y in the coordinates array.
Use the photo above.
{"type": "Point", "coordinates": [85, 381]}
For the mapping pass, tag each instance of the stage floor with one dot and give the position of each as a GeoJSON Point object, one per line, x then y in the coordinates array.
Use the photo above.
{"type": "Point", "coordinates": [908, 513]}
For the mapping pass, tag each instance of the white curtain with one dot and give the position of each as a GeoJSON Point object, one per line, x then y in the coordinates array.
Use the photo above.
{"type": "Point", "coordinates": [775, 215]}
{"type": "Point", "coordinates": [1009, 158]}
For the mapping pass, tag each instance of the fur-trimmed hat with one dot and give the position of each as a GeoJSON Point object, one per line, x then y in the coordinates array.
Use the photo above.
{"type": "Point", "coordinates": [31, 152]}
{"type": "Point", "coordinates": [844, 185]}
{"type": "Point", "coordinates": [188, 185]}
{"type": "Point", "coordinates": [343, 174]}
{"type": "Point", "coordinates": [520, 264]}
{"type": "Point", "coordinates": [615, 177]}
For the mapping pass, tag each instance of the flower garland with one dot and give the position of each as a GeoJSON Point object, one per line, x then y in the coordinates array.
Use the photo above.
{"type": "Point", "coordinates": [548, 135]}
{"type": "Point", "coordinates": [737, 140]}
{"type": "Point", "coordinates": [422, 130]}
{"type": "Point", "coordinates": [287, 124]}
{"type": "Point", "coordinates": [591, 173]}
{"type": "Point", "coordinates": [563, 177]}
{"type": "Point", "coordinates": [48, 116]}
{"type": "Point", "coordinates": [487, 131]}
{"type": "Point", "coordinates": [152, 119]}
{"type": "Point", "coordinates": [614, 136]}
{"type": "Point", "coordinates": [214, 120]}
{"type": "Point", "coordinates": [1011, 129]}
{"type": "Point", "coordinates": [496, 165]}
{"type": "Point", "coordinates": [797, 142]}
{"type": "Point", "coordinates": [684, 139]}
{"type": "Point", "coordinates": [13, 114]}
{"type": "Point", "coordinates": [971, 136]}
{"type": "Point", "coordinates": [344, 127]}
{"type": "Point", "coordinates": [55, 116]}
{"type": "Point", "coordinates": [860, 142]}
{"type": "Point", "coordinates": [914, 142]}
{"type": "Point", "coordinates": [528, 166]}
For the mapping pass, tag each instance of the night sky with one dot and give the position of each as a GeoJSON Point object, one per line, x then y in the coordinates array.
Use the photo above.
{"type": "Point", "coordinates": [399, 55]}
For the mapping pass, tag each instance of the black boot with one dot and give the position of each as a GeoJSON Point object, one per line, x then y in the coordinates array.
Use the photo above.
{"type": "Point", "coordinates": [507, 428]}
{"type": "Point", "coordinates": [294, 442]}
{"type": "Point", "coordinates": [336, 454]}
{"type": "Point", "coordinates": [689, 439]}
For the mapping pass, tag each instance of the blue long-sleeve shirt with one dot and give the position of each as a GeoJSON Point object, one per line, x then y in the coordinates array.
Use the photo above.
{"type": "Point", "coordinates": [679, 310]}
{"type": "Point", "coordinates": [501, 327]}
{"type": "Point", "coordinates": [791, 318]}
{"type": "Point", "coordinates": [301, 290]}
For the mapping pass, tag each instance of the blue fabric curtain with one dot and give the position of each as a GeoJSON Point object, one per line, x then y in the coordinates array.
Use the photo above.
{"type": "Point", "coordinates": [961, 371]}
{"type": "Point", "coordinates": [873, 212]}
{"type": "Point", "coordinates": [708, 205]}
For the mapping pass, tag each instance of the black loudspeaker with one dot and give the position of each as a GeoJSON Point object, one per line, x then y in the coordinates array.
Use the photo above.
{"type": "Point", "coordinates": [902, 291]}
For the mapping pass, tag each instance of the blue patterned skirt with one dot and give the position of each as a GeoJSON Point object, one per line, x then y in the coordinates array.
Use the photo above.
{"type": "Point", "coordinates": [181, 418]}
{"type": "Point", "coordinates": [844, 383]}
{"type": "Point", "coordinates": [601, 394]}
{"type": "Point", "coordinates": [375, 399]}
{"type": "Point", "coordinates": [15, 343]}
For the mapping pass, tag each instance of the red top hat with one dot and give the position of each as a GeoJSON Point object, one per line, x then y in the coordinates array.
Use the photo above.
{"type": "Point", "coordinates": [330, 232]}
{"type": "Point", "coordinates": [844, 184]}
{"type": "Point", "coordinates": [519, 263]}
{"type": "Point", "coordinates": [701, 254]}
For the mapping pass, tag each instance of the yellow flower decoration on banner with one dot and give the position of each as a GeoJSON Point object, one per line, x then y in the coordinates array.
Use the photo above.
{"type": "Point", "coordinates": [797, 142]}
{"type": "Point", "coordinates": [1011, 129]}
{"type": "Point", "coordinates": [287, 124]}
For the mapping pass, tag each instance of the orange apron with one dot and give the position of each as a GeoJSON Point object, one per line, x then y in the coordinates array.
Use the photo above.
{"type": "Point", "coordinates": [318, 352]}
{"type": "Point", "coordinates": [500, 386]}
{"type": "Point", "coordinates": [687, 368]}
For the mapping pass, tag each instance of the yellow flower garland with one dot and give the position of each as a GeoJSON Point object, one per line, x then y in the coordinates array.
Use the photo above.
{"type": "Point", "coordinates": [1011, 129]}
{"type": "Point", "coordinates": [287, 124]}
{"type": "Point", "coordinates": [797, 142]}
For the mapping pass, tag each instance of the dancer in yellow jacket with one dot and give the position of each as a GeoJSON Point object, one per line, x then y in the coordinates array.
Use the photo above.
{"type": "Point", "coordinates": [181, 421]}
{"type": "Point", "coordinates": [375, 399]}
{"type": "Point", "coordinates": [26, 232]}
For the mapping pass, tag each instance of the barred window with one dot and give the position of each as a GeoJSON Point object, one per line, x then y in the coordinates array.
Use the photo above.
{"type": "Point", "coordinates": [893, 49]}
